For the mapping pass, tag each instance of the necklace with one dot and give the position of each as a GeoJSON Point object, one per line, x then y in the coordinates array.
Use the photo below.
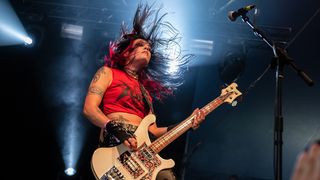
{"type": "Point", "coordinates": [131, 73]}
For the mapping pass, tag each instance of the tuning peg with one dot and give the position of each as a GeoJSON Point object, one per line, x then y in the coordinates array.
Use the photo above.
{"type": "Point", "coordinates": [223, 86]}
{"type": "Point", "coordinates": [234, 103]}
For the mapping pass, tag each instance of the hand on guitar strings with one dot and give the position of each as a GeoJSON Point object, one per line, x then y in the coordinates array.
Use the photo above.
{"type": "Point", "coordinates": [121, 134]}
{"type": "Point", "coordinates": [131, 143]}
{"type": "Point", "coordinates": [199, 116]}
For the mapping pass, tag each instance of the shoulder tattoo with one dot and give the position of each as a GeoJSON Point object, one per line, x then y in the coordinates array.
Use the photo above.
{"type": "Point", "coordinates": [98, 74]}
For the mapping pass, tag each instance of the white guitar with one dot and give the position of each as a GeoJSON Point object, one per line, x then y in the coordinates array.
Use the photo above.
{"type": "Point", "coordinates": [120, 163]}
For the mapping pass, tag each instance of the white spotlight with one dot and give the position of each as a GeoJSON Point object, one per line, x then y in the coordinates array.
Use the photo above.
{"type": "Point", "coordinates": [70, 171]}
{"type": "Point", "coordinates": [173, 53]}
{"type": "Point", "coordinates": [27, 40]}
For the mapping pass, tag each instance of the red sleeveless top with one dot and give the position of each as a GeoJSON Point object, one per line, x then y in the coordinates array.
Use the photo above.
{"type": "Point", "coordinates": [124, 95]}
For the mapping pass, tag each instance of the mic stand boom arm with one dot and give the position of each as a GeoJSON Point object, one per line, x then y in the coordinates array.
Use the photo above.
{"type": "Point", "coordinates": [281, 58]}
{"type": "Point", "coordinates": [279, 53]}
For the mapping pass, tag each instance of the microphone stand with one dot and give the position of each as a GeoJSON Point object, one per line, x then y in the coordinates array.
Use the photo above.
{"type": "Point", "coordinates": [281, 58]}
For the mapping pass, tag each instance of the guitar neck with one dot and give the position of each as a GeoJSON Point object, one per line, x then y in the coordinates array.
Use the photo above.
{"type": "Point", "coordinates": [184, 126]}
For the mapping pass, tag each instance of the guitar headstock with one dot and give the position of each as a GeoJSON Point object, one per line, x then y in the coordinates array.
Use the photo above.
{"type": "Point", "coordinates": [230, 93]}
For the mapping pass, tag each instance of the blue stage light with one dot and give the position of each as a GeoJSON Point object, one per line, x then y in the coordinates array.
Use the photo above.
{"type": "Point", "coordinates": [70, 171]}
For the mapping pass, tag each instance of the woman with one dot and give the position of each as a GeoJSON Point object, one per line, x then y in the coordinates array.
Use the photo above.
{"type": "Point", "coordinates": [136, 72]}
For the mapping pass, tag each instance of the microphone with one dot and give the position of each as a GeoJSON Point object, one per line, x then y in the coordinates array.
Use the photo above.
{"type": "Point", "coordinates": [233, 15]}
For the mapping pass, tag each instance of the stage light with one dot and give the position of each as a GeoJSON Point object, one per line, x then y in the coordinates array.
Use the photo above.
{"type": "Point", "coordinates": [12, 36]}
{"type": "Point", "coordinates": [12, 31]}
{"type": "Point", "coordinates": [201, 47]}
{"type": "Point", "coordinates": [173, 54]}
{"type": "Point", "coordinates": [70, 171]}
{"type": "Point", "coordinates": [71, 31]}
{"type": "Point", "coordinates": [27, 40]}
{"type": "Point", "coordinates": [71, 142]}
{"type": "Point", "coordinates": [173, 67]}
{"type": "Point", "coordinates": [36, 34]}
{"type": "Point", "coordinates": [66, 76]}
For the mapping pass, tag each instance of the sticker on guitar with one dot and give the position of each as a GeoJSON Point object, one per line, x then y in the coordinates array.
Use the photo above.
{"type": "Point", "coordinates": [121, 163]}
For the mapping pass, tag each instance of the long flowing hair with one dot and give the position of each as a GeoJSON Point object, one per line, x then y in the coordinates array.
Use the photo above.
{"type": "Point", "coordinates": [158, 77]}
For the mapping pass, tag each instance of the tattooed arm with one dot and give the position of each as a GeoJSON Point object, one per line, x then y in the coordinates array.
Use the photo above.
{"type": "Point", "coordinates": [100, 82]}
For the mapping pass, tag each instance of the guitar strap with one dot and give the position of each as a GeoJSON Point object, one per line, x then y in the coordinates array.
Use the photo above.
{"type": "Point", "coordinates": [146, 99]}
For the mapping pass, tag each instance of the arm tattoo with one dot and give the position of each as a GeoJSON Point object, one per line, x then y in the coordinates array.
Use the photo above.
{"type": "Point", "coordinates": [95, 90]}
{"type": "Point", "coordinates": [98, 74]}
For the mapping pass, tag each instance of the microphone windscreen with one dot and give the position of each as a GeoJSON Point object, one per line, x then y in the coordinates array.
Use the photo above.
{"type": "Point", "coordinates": [231, 15]}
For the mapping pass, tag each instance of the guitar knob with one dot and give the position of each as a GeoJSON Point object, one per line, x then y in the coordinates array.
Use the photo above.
{"type": "Point", "coordinates": [234, 103]}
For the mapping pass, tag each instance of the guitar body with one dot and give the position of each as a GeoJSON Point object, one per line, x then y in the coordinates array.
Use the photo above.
{"type": "Point", "coordinates": [120, 162]}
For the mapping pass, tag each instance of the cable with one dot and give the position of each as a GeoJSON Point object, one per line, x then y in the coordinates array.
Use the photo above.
{"type": "Point", "coordinates": [302, 29]}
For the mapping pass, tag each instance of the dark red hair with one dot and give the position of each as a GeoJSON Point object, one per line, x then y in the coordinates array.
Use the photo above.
{"type": "Point", "coordinates": [156, 78]}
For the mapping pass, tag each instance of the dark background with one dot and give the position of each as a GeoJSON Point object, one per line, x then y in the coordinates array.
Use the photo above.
{"type": "Point", "coordinates": [43, 88]}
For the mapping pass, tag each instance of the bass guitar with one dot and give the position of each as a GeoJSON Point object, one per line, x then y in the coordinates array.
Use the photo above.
{"type": "Point", "coordinates": [120, 163]}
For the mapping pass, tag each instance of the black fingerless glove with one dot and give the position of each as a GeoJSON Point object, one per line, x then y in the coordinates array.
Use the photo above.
{"type": "Point", "coordinates": [118, 131]}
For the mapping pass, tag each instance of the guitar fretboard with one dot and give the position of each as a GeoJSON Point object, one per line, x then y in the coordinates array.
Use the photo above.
{"type": "Point", "coordinates": [184, 126]}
